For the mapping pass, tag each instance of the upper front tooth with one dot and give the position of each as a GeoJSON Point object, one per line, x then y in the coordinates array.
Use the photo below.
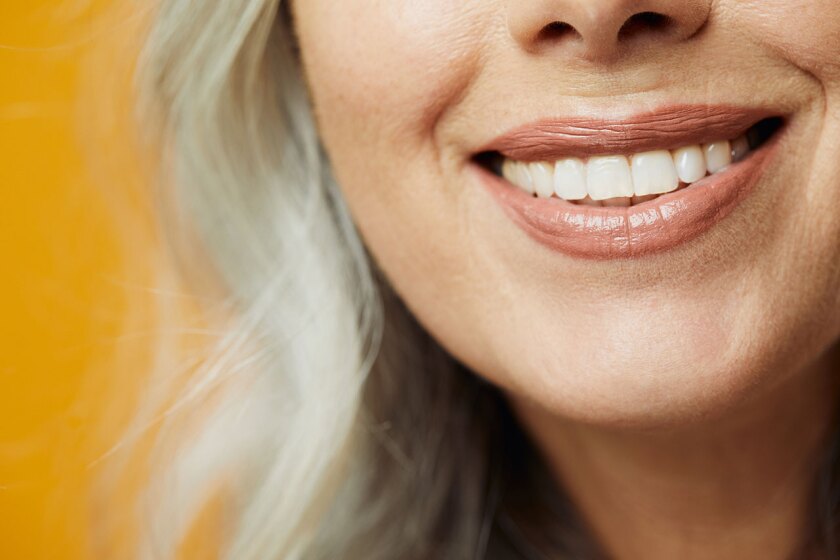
{"type": "Point", "coordinates": [718, 155]}
{"type": "Point", "coordinates": [542, 175]}
{"type": "Point", "coordinates": [690, 164]}
{"type": "Point", "coordinates": [654, 173]}
{"type": "Point", "coordinates": [570, 179]}
{"type": "Point", "coordinates": [608, 177]}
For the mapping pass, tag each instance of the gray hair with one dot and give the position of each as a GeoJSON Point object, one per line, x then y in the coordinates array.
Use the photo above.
{"type": "Point", "coordinates": [338, 428]}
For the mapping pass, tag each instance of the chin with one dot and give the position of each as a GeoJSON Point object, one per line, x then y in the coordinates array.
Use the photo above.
{"type": "Point", "coordinates": [646, 363]}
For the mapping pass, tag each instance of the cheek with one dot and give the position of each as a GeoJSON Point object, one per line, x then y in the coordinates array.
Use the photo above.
{"type": "Point", "coordinates": [805, 32]}
{"type": "Point", "coordinates": [384, 71]}
{"type": "Point", "coordinates": [380, 76]}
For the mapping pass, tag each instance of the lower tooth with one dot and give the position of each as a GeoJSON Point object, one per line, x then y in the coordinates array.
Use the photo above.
{"type": "Point", "coordinates": [619, 201]}
{"type": "Point", "coordinates": [589, 202]}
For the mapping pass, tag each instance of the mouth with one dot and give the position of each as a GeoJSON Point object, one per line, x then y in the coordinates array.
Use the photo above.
{"type": "Point", "coordinates": [621, 189]}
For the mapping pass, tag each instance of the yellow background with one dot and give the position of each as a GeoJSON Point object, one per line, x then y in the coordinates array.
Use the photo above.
{"type": "Point", "coordinates": [67, 217]}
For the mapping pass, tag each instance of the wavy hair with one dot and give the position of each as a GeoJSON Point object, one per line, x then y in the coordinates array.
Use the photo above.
{"type": "Point", "coordinates": [335, 425]}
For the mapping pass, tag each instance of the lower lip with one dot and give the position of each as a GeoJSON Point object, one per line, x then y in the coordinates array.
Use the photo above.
{"type": "Point", "coordinates": [605, 233]}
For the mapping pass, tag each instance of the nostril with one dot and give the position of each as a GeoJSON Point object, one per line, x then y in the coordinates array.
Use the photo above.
{"type": "Point", "coordinates": [556, 30]}
{"type": "Point", "coordinates": [644, 22]}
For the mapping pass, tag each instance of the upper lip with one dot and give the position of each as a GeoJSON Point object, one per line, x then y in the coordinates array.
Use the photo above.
{"type": "Point", "coordinates": [666, 128]}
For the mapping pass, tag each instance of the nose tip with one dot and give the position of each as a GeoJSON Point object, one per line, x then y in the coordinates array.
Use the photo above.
{"type": "Point", "coordinates": [603, 30]}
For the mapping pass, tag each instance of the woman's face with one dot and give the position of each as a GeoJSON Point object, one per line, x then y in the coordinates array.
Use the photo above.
{"type": "Point", "coordinates": [664, 309]}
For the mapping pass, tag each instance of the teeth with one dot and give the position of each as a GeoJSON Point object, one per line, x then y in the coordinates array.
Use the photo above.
{"type": "Point", "coordinates": [509, 171]}
{"type": "Point", "coordinates": [618, 201]}
{"type": "Point", "coordinates": [740, 148]}
{"type": "Point", "coordinates": [543, 176]}
{"type": "Point", "coordinates": [586, 201]}
{"type": "Point", "coordinates": [718, 155]}
{"type": "Point", "coordinates": [524, 171]}
{"type": "Point", "coordinates": [518, 174]}
{"type": "Point", "coordinates": [654, 173]}
{"type": "Point", "coordinates": [570, 179]}
{"type": "Point", "coordinates": [690, 164]}
{"type": "Point", "coordinates": [621, 181]}
{"type": "Point", "coordinates": [608, 177]}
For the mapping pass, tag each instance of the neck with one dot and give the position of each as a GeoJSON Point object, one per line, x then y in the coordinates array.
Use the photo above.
{"type": "Point", "coordinates": [740, 485]}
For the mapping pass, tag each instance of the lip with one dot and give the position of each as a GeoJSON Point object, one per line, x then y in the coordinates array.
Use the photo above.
{"type": "Point", "coordinates": [670, 220]}
{"type": "Point", "coordinates": [667, 128]}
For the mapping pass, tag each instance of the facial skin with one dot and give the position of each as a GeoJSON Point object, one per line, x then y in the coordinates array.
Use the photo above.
{"type": "Point", "coordinates": [406, 92]}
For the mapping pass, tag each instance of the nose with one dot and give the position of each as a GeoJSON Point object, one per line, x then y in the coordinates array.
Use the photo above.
{"type": "Point", "coordinates": [603, 30]}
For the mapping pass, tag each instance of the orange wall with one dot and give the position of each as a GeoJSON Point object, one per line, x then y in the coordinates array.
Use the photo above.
{"type": "Point", "coordinates": [64, 280]}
